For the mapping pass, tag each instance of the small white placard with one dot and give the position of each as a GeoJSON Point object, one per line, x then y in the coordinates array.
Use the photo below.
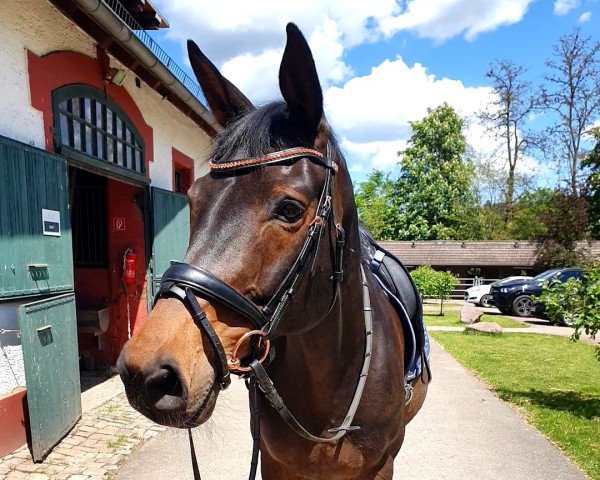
{"type": "Point", "coordinates": [51, 222]}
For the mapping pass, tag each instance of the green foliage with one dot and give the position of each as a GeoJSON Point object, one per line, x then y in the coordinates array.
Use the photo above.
{"type": "Point", "coordinates": [434, 284]}
{"type": "Point", "coordinates": [575, 302]}
{"type": "Point", "coordinates": [528, 211]}
{"type": "Point", "coordinates": [374, 204]}
{"type": "Point", "coordinates": [434, 184]}
{"type": "Point", "coordinates": [488, 221]}
{"type": "Point", "coordinates": [566, 224]}
{"type": "Point", "coordinates": [592, 184]}
{"type": "Point", "coordinates": [432, 198]}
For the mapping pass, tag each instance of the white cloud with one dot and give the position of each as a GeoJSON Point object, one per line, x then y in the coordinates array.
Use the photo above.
{"type": "Point", "coordinates": [585, 17]}
{"type": "Point", "coordinates": [237, 34]}
{"type": "Point", "coordinates": [562, 7]}
{"type": "Point", "coordinates": [371, 113]}
{"type": "Point", "coordinates": [444, 19]}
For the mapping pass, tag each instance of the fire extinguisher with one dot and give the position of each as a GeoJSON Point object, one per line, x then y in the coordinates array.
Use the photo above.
{"type": "Point", "coordinates": [129, 267]}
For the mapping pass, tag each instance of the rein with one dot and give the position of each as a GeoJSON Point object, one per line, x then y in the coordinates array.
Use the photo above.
{"type": "Point", "coordinates": [185, 281]}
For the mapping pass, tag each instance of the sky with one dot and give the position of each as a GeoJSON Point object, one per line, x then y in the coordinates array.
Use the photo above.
{"type": "Point", "coordinates": [381, 63]}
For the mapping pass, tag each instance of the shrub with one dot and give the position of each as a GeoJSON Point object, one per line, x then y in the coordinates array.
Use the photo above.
{"type": "Point", "coordinates": [434, 284]}
{"type": "Point", "coordinates": [576, 302]}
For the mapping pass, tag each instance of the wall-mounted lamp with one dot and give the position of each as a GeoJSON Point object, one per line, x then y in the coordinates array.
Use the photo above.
{"type": "Point", "coordinates": [115, 75]}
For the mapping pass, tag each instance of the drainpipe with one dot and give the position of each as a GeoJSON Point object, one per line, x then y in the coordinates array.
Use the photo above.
{"type": "Point", "coordinates": [105, 17]}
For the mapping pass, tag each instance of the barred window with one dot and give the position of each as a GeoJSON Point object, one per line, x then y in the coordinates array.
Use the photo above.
{"type": "Point", "coordinates": [94, 126]}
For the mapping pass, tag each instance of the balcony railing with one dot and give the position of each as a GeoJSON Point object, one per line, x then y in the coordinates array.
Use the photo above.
{"type": "Point", "coordinates": [146, 39]}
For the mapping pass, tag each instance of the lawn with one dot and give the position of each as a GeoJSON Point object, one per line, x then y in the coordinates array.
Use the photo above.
{"type": "Point", "coordinates": [554, 381]}
{"type": "Point", "coordinates": [452, 319]}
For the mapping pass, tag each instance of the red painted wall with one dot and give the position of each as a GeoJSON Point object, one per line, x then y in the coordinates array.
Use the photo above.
{"type": "Point", "coordinates": [181, 161]}
{"type": "Point", "coordinates": [58, 69]}
{"type": "Point", "coordinates": [124, 202]}
{"type": "Point", "coordinates": [12, 421]}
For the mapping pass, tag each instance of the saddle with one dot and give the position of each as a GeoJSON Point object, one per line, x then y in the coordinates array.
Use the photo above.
{"type": "Point", "coordinates": [394, 279]}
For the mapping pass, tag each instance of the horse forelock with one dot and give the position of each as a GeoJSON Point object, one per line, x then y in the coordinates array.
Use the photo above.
{"type": "Point", "coordinates": [263, 130]}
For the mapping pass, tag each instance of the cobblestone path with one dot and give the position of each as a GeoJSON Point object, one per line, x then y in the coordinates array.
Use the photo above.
{"type": "Point", "coordinates": [102, 438]}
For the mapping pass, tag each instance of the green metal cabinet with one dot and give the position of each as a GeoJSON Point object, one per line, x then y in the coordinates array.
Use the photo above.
{"type": "Point", "coordinates": [30, 262]}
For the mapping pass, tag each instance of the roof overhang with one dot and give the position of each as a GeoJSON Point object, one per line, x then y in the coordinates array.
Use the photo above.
{"type": "Point", "coordinates": [114, 36]}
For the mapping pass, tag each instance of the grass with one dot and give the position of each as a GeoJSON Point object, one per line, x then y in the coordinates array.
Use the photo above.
{"type": "Point", "coordinates": [452, 319]}
{"type": "Point", "coordinates": [556, 383]}
{"type": "Point", "coordinates": [118, 442]}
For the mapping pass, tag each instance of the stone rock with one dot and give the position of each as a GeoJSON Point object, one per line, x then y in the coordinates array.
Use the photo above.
{"type": "Point", "coordinates": [485, 327]}
{"type": "Point", "coordinates": [469, 314]}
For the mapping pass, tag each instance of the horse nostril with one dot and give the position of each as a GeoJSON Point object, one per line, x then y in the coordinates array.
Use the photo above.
{"type": "Point", "coordinates": [164, 388]}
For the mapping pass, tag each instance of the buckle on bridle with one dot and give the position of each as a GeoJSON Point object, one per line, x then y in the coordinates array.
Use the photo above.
{"type": "Point", "coordinates": [234, 363]}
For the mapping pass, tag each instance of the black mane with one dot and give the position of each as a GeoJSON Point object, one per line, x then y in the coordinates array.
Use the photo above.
{"type": "Point", "coordinates": [264, 130]}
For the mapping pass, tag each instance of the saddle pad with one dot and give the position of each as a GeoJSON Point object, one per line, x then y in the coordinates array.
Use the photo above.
{"type": "Point", "coordinates": [395, 281]}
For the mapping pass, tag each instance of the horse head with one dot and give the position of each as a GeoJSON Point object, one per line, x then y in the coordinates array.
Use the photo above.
{"type": "Point", "coordinates": [248, 228]}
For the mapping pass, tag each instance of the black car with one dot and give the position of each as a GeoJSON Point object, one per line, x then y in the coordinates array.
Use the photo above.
{"type": "Point", "coordinates": [515, 297]}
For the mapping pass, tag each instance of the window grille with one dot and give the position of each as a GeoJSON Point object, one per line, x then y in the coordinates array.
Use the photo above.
{"type": "Point", "coordinates": [96, 127]}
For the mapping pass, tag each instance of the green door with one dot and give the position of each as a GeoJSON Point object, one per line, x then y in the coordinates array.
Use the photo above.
{"type": "Point", "coordinates": [49, 338]}
{"type": "Point", "coordinates": [170, 233]}
{"type": "Point", "coordinates": [36, 254]}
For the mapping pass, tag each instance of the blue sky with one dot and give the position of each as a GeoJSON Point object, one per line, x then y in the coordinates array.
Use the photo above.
{"type": "Point", "coordinates": [381, 62]}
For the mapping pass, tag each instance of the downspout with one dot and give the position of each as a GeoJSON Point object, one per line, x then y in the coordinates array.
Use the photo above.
{"type": "Point", "coordinates": [104, 16]}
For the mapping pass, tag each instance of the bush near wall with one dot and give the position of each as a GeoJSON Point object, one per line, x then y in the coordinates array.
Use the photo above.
{"type": "Point", "coordinates": [434, 284]}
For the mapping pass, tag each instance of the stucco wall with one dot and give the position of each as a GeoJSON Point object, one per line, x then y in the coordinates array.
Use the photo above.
{"type": "Point", "coordinates": [42, 29]}
{"type": "Point", "coordinates": [12, 373]}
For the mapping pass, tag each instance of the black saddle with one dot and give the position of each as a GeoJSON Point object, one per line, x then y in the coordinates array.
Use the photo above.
{"type": "Point", "coordinates": [395, 281]}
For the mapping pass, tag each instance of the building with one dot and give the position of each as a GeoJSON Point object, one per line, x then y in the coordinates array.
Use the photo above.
{"type": "Point", "coordinates": [101, 134]}
{"type": "Point", "coordinates": [487, 259]}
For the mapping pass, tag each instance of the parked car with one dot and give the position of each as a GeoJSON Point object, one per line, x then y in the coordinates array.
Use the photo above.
{"type": "Point", "coordinates": [480, 294]}
{"type": "Point", "coordinates": [515, 297]}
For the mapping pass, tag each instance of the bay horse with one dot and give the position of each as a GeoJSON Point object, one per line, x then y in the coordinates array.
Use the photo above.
{"type": "Point", "coordinates": [277, 286]}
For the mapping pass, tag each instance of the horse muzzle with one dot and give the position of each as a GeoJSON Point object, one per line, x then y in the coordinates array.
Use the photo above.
{"type": "Point", "coordinates": [160, 392]}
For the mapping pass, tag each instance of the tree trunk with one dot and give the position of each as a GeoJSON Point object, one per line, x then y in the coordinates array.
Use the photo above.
{"type": "Point", "coordinates": [509, 198]}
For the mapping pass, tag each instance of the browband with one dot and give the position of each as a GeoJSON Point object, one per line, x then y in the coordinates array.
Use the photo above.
{"type": "Point", "coordinates": [274, 158]}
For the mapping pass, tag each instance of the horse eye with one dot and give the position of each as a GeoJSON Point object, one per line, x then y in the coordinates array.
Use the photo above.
{"type": "Point", "coordinates": [289, 211]}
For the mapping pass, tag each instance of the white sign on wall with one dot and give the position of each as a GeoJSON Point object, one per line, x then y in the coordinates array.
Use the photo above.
{"type": "Point", "coordinates": [51, 222]}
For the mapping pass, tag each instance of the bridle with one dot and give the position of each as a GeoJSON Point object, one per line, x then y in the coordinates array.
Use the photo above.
{"type": "Point", "coordinates": [186, 282]}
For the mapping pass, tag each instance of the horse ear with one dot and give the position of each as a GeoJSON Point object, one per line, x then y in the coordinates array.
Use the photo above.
{"type": "Point", "coordinates": [226, 102]}
{"type": "Point", "coordinates": [299, 82]}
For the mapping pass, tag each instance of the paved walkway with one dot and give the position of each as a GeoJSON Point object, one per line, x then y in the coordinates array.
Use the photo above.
{"type": "Point", "coordinates": [463, 432]}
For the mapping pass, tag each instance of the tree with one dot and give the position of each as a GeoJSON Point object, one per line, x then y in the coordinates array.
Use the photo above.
{"type": "Point", "coordinates": [374, 204]}
{"type": "Point", "coordinates": [506, 118]}
{"type": "Point", "coordinates": [566, 224]}
{"type": "Point", "coordinates": [572, 94]}
{"type": "Point", "coordinates": [431, 283]}
{"type": "Point", "coordinates": [592, 184]}
{"type": "Point", "coordinates": [530, 210]}
{"type": "Point", "coordinates": [434, 183]}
